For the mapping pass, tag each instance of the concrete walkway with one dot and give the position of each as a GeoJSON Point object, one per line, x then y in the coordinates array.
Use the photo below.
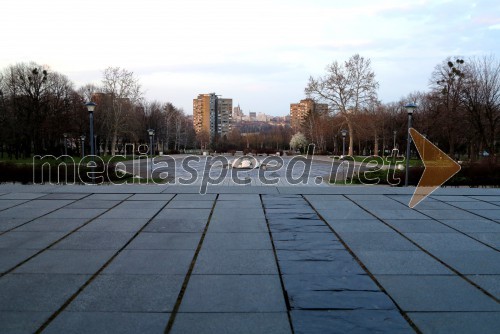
{"type": "Point", "coordinates": [156, 259]}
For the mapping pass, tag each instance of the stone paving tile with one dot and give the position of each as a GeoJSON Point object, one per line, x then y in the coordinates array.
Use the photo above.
{"type": "Point", "coordinates": [343, 300]}
{"type": "Point", "coordinates": [37, 292]}
{"type": "Point", "coordinates": [457, 198]}
{"type": "Point", "coordinates": [92, 204]}
{"type": "Point", "coordinates": [27, 195]}
{"type": "Point", "coordinates": [419, 225]}
{"type": "Point", "coordinates": [94, 240]}
{"type": "Point", "coordinates": [306, 241]}
{"type": "Point", "coordinates": [237, 226]}
{"type": "Point", "coordinates": [398, 214]}
{"type": "Point", "coordinates": [181, 204]}
{"type": "Point", "coordinates": [21, 322]}
{"type": "Point", "coordinates": [110, 197]}
{"type": "Point", "coordinates": [313, 255]}
{"type": "Point", "coordinates": [471, 262]}
{"type": "Point", "coordinates": [108, 322]}
{"type": "Point", "coordinates": [401, 263]}
{"type": "Point", "coordinates": [315, 282]}
{"type": "Point", "coordinates": [7, 224]}
{"type": "Point", "coordinates": [348, 225]}
{"type": "Point", "coordinates": [356, 321]}
{"type": "Point", "coordinates": [140, 205]}
{"type": "Point", "coordinates": [151, 262]}
{"type": "Point", "coordinates": [456, 322]}
{"type": "Point", "coordinates": [476, 205]}
{"type": "Point", "coordinates": [490, 214]}
{"type": "Point", "coordinates": [75, 213]}
{"type": "Point", "coordinates": [229, 323]}
{"type": "Point", "coordinates": [233, 293]}
{"type": "Point", "coordinates": [337, 266]}
{"type": "Point", "coordinates": [53, 225]}
{"type": "Point", "coordinates": [491, 239]}
{"type": "Point", "coordinates": [446, 241]}
{"type": "Point", "coordinates": [9, 258]}
{"type": "Point", "coordinates": [30, 213]}
{"type": "Point", "coordinates": [66, 262]}
{"type": "Point", "coordinates": [343, 214]}
{"type": "Point", "coordinates": [73, 196]}
{"type": "Point", "coordinates": [151, 197]}
{"type": "Point", "coordinates": [435, 293]}
{"type": "Point", "coordinates": [487, 198]}
{"type": "Point", "coordinates": [490, 283]}
{"type": "Point", "coordinates": [195, 197]}
{"type": "Point", "coordinates": [165, 225]}
{"type": "Point", "coordinates": [130, 213]}
{"type": "Point", "coordinates": [129, 293]}
{"type": "Point", "coordinates": [147, 240]}
{"type": "Point", "coordinates": [237, 241]}
{"type": "Point", "coordinates": [183, 214]}
{"type": "Point", "coordinates": [29, 240]}
{"type": "Point", "coordinates": [373, 241]}
{"type": "Point", "coordinates": [450, 214]}
{"type": "Point", "coordinates": [8, 203]}
{"type": "Point", "coordinates": [477, 225]}
{"type": "Point", "coordinates": [115, 225]}
{"type": "Point", "coordinates": [242, 262]}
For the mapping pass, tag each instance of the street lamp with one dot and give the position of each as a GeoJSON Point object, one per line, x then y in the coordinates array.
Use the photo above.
{"type": "Point", "coordinates": [410, 108]}
{"type": "Point", "coordinates": [82, 139]}
{"type": "Point", "coordinates": [95, 145]}
{"type": "Point", "coordinates": [151, 133]}
{"type": "Point", "coordinates": [344, 133]}
{"type": "Point", "coordinates": [394, 133]}
{"type": "Point", "coordinates": [90, 108]}
{"type": "Point", "coordinates": [65, 135]}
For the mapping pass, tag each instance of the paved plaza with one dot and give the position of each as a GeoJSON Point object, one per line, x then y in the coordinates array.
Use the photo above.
{"type": "Point", "coordinates": [248, 259]}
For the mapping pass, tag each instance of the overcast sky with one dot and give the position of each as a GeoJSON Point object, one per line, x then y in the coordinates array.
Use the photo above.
{"type": "Point", "coordinates": [260, 53]}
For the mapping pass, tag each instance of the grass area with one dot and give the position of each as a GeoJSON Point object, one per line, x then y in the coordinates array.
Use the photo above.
{"type": "Point", "coordinates": [68, 160]}
{"type": "Point", "coordinates": [385, 160]}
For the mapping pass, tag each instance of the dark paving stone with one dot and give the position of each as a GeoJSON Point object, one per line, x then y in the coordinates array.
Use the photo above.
{"type": "Point", "coordinates": [237, 226]}
{"type": "Point", "coordinates": [446, 241]}
{"type": "Point", "coordinates": [472, 262]}
{"type": "Point", "coordinates": [491, 239]}
{"type": "Point", "coordinates": [237, 241]}
{"type": "Point", "coordinates": [75, 213]}
{"type": "Point", "coordinates": [398, 214]}
{"type": "Point", "coordinates": [9, 258]}
{"type": "Point", "coordinates": [228, 323]}
{"type": "Point", "coordinates": [333, 267]}
{"type": "Point", "coordinates": [401, 263]}
{"type": "Point", "coordinates": [140, 205]}
{"type": "Point", "coordinates": [66, 262]}
{"type": "Point", "coordinates": [115, 225]}
{"type": "Point", "coordinates": [92, 204]}
{"type": "Point", "coordinates": [243, 262]}
{"type": "Point", "coordinates": [17, 212]}
{"type": "Point", "coordinates": [146, 240]}
{"type": "Point", "coordinates": [94, 240]}
{"type": "Point", "coordinates": [233, 293]}
{"type": "Point", "coordinates": [151, 262]}
{"type": "Point", "coordinates": [313, 255]}
{"type": "Point", "coordinates": [490, 283]}
{"type": "Point", "coordinates": [343, 214]}
{"type": "Point", "coordinates": [201, 214]}
{"type": "Point", "coordinates": [53, 225]}
{"type": "Point", "coordinates": [490, 214]}
{"type": "Point", "coordinates": [456, 322]}
{"type": "Point", "coordinates": [7, 224]}
{"type": "Point", "coordinates": [195, 197]}
{"type": "Point", "coordinates": [418, 225]}
{"type": "Point", "coordinates": [29, 240]}
{"type": "Point", "coordinates": [151, 197]}
{"type": "Point", "coordinates": [8, 203]}
{"type": "Point", "coordinates": [340, 300]}
{"type": "Point", "coordinates": [64, 196]}
{"type": "Point", "coordinates": [176, 225]}
{"type": "Point", "coordinates": [477, 225]}
{"type": "Point", "coordinates": [129, 293]}
{"type": "Point", "coordinates": [14, 195]}
{"type": "Point", "coordinates": [130, 213]}
{"type": "Point", "coordinates": [365, 241]}
{"type": "Point", "coordinates": [180, 204]}
{"type": "Point", "coordinates": [291, 215]}
{"type": "Point", "coordinates": [110, 197]}
{"type": "Point", "coordinates": [314, 282]}
{"type": "Point", "coordinates": [247, 205]}
{"type": "Point", "coordinates": [340, 322]}
{"type": "Point", "coordinates": [22, 322]}
{"type": "Point", "coordinates": [476, 205]}
{"type": "Point", "coordinates": [450, 214]}
{"type": "Point", "coordinates": [108, 322]}
{"type": "Point", "coordinates": [306, 241]}
{"type": "Point", "coordinates": [442, 293]}
{"type": "Point", "coordinates": [37, 292]}
{"type": "Point", "coordinates": [365, 225]}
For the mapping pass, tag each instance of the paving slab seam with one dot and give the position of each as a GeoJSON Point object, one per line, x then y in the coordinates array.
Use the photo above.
{"type": "Point", "coordinates": [185, 283]}
{"type": "Point", "coordinates": [361, 264]}
{"type": "Point", "coordinates": [58, 240]}
{"type": "Point", "coordinates": [285, 294]}
{"type": "Point", "coordinates": [48, 213]}
{"type": "Point", "coordinates": [94, 276]}
{"type": "Point", "coordinates": [459, 274]}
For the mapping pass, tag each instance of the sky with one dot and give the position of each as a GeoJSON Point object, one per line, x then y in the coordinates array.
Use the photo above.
{"type": "Point", "coordinates": [259, 53]}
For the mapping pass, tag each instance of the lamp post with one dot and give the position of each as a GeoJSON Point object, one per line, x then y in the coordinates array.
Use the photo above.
{"type": "Point", "coordinates": [95, 145]}
{"type": "Point", "coordinates": [65, 135]}
{"type": "Point", "coordinates": [335, 145]}
{"type": "Point", "coordinates": [90, 108]}
{"type": "Point", "coordinates": [410, 108]}
{"type": "Point", "coordinates": [394, 133]}
{"type": "Point", "coordinates": [344, 133]}
{"type": "Point", "coordinates": [151, 133]}
{"type": "Point", "coordinates": [82, 139]}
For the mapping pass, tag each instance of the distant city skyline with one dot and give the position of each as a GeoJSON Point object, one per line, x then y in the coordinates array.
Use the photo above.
{"type": "Point", "coordinates": [260, 53]}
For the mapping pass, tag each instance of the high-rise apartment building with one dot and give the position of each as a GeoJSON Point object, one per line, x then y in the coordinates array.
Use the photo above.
{"type": "Point", "coordinates": [212, 115]}
{"type": "Point", "coordinates": [299, 111]}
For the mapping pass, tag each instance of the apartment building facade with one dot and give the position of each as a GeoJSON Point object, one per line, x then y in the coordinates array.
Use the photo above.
{"type": "Point", "coordinates": [213, 115]}
{"type": "Point", "coordinates": [300, 111]}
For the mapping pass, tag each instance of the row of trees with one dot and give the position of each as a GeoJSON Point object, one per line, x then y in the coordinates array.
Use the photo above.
{"type": "Point", "coordinates": [38, 106]}
{"type": "Point", "coordinates": [460, 112]}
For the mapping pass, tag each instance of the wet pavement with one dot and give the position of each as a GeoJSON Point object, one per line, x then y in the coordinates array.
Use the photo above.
{"type": "Point", "coordinates": [243, 259]}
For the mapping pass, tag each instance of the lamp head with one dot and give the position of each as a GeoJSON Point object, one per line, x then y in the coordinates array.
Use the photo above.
{"type": "Point", "coordinates": [151, 132]}
{"type": "Point", "coordinates": [344, 133]}
{"type": "Point", "coordinates": [410, 108]}
{"type": "Point", "coordinates": [90, 106]}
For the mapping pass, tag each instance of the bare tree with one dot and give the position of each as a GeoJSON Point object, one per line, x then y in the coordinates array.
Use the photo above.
{"type": "Point", "coordinates": [347, 88]}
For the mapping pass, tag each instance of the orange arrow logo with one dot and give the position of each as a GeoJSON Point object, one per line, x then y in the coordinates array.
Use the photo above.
{"type": "Point", "coordinates": [439, 168]}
